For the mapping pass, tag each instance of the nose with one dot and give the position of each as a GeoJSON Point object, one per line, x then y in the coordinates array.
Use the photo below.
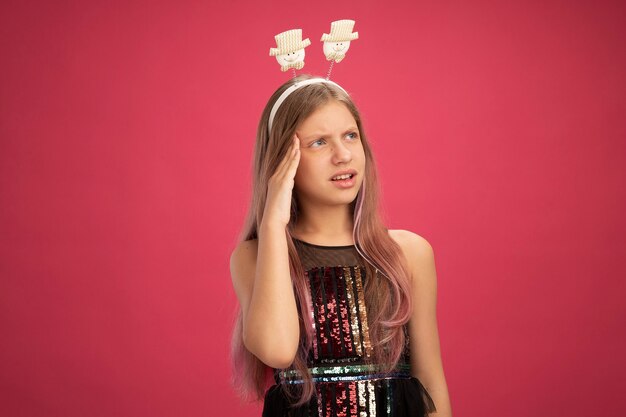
{"type": "Point", "coordinates": [341, 153]}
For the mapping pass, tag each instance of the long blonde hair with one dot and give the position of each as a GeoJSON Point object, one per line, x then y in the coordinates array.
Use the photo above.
{"type": "Point", "coordinates": [387, 296]}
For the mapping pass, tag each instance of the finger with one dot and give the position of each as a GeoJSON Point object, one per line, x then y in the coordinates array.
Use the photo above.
{"type": "Point", "coordinates": [293, 166]}
{"type": "Point", "coordinates": [284, 164]}
{"type": "Point", "coordinates": [287, 156]}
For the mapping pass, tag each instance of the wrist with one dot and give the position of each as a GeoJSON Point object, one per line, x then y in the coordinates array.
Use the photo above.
{"type": "Point", "coordinates": [270, 226]}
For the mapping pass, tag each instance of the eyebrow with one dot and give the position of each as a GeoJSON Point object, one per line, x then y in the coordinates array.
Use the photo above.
{"type": "Point", "coordinates": [316, 134]}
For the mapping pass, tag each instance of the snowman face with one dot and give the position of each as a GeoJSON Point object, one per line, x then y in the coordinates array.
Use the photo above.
{"type": "Point", "coordinates": [336, 47]}
{"type": "Point", "coordinates": [291, 57]}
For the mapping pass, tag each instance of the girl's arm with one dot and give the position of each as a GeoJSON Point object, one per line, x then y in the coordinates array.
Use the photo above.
{"type": "Point", "coordinates": [262, 282]}
{"type": "Point", "coordinates": [426, 364]}
{"type": "Point", "coordinates": [261, 276]}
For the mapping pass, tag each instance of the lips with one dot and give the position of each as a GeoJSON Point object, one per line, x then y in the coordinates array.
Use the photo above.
{"type": "Point", "coordinates": [344, 172]}
{"type": "Point", "coordinates": [347, 183]}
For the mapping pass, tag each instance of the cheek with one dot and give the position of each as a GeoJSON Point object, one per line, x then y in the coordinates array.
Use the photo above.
{"type": "Point", "coordinates": [301, 173]}
{"type": "Point", "coordinates": [298, 177]}
{"type": "Point", "coordinates": [360, 154]}
{"type": "Point", "coordinates": [305, 174]}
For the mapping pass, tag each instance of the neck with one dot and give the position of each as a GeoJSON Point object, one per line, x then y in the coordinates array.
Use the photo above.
{"type": "Point", "coordinates": [328, 224]}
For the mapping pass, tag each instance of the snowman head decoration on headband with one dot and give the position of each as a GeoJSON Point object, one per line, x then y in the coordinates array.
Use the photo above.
{"type": "Point", "coordinates": [289, 53]}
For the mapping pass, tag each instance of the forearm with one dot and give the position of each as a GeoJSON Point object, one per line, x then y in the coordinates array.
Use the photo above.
{"type": "Point", "coordinates": [271, 329]}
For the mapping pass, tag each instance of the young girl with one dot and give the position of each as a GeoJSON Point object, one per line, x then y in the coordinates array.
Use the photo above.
{"type": "Point", "coordinates": [338, 309]}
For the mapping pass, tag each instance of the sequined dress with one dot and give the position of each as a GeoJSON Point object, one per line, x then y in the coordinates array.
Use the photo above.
{"type": "Point", "coordinates": [345, 386]}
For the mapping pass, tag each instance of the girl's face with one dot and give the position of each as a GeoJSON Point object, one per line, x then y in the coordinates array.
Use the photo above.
{"type": "Point", "coordinates": [329, 144]}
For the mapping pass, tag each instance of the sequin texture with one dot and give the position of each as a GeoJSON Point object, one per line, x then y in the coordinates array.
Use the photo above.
{"type": "Point", "coordinates": [345, 385]}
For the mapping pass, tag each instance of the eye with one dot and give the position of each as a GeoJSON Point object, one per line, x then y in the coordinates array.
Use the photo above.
{"type": "Point", "coordinates": [352, 135]}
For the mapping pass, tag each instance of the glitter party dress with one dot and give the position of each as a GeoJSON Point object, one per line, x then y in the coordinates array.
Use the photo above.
{"type": "Point", "coordinates": [345, 385]}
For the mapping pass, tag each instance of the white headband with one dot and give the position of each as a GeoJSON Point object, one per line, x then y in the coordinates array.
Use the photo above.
{"type": "Point", "coordinates": [290, 90]}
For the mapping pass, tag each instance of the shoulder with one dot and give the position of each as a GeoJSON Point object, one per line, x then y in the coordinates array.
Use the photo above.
{"type": "Point", "coordinates": [418, 252]}
{"type": "Point", "coordinates": [411, 243]}
{"type": "Point", "coordinates": [244, 250]}
{"type": "Point", "coordinates": [243, 261]}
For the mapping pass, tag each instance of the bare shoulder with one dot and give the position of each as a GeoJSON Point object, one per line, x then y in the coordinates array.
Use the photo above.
{"type": "Point", "coordinates": [418, 252]}
{"type": "Point", "coordinates": [411, 243]}
{"type": "Point", "coordinates": [244, 251]}
{"type": "Point", "coordinates": [243, 264]}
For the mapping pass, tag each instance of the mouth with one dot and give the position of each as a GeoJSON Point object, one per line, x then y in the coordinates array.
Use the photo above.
{"type": "Point", "coordinates": [344, 181]}
{"type": "Point", "coordinates": [343, 174]}
{"type": "Point", "coordinates": [295, 57]}
{"type": "Point", "coordinates": [343, 177]}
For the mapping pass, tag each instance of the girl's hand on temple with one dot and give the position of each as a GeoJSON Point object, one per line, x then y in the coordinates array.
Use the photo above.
{"type": "Point", "coordinates": [280, 187]}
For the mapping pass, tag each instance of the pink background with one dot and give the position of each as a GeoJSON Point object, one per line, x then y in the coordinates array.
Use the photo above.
{"type": "Point", "coordinates": [126, 137]}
